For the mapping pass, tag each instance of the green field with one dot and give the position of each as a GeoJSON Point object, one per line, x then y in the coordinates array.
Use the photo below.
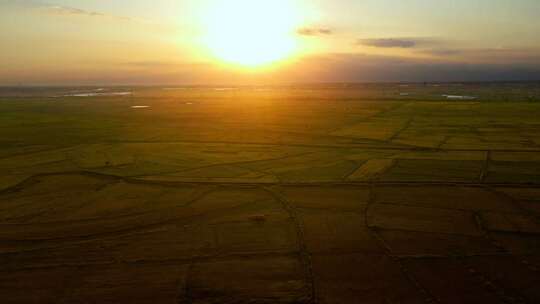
{"type": "Point", "coordinates": [322, 194]}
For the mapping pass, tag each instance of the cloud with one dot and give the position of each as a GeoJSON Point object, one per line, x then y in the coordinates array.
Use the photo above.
{"type": "Point", "coordinates": [50, 9]}
{"type": "Point", "coordinates": [443, 52]}
{"type": "Point", "coordinates": [61, 10]}
{"type": "Point", "coordinates": [343, 67]}
{"type": "Point", "coordinates": [378, 68]}
{"type": "Point", "coordinates": [526, 56]}
{"type": "Point", "coordinates": [72, 11]}
{"type": "Point", "coordinates": [405, 42]}
{"type": "Point", "coordinates": [65, 10]}
{"type": "Point", "coordinates": [156, 64]}
{"type": "Point", "coordinates": [309, 31]}
{"type": "Point", "coordinates": [389, 42]}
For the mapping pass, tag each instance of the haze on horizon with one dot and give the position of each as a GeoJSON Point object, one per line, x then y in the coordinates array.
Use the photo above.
{"type": "Point", "coordinates": [69, 42]}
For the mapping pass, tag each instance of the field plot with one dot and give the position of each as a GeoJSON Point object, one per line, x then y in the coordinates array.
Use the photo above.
{"type": "Point", "coordinates": [275, 196]}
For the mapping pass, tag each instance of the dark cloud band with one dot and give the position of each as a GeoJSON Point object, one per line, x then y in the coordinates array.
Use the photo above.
{"type": "Point", "coordinates": [388, 43]}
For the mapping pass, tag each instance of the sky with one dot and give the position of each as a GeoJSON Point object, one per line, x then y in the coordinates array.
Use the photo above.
{"type": "Point", "coordinates": [161, 42]}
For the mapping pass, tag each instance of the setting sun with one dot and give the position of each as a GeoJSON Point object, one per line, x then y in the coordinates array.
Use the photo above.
{"type": "Point", "coordinates": [251, 33]}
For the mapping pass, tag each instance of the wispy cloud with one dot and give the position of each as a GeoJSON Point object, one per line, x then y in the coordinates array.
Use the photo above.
{"type": "Point", "coordinates": [443, 52]}
{"type": "Point", "coordinates": [62, 10]}
{"type": "Point", "coordinates": [73, 11]}
{"type": "Point", "coordinates": [403, 42]}
{"type": "Point", "coordinates": [388, 42]}
{"type": "Point", "coordinates": [493, 56]}
{"type": "Point", "coordinates": [456, 51]}
{"type": "Point", "coordinates": [314, 31]}
{"type": "Point", "coordinates": [65, 10]}
{"type": "Point", "coordinates": [163, 64]}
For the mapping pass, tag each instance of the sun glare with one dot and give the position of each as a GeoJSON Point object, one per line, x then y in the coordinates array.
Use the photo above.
{"type": "Point", "coordinates": [251, 33]}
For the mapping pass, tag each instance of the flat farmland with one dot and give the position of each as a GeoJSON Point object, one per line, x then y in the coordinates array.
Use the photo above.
{"type": "Point", "coordinates": [270, 195]}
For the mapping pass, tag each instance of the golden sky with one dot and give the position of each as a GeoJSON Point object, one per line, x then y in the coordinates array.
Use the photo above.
{"type": "Point", "coordinates": [111, 42]}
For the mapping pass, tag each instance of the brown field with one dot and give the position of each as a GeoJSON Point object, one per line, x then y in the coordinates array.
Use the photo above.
{"type": "Point", "coordinates": [271, 195]}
